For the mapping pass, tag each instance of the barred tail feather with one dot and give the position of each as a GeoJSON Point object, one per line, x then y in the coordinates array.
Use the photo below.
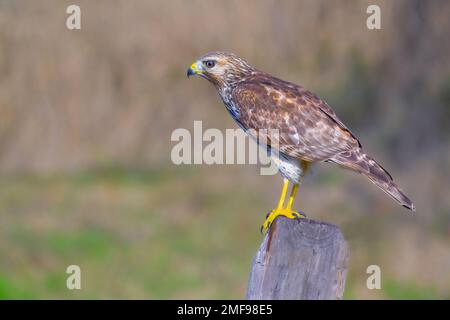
{"type": "Point", "coordinates": [358, 161]}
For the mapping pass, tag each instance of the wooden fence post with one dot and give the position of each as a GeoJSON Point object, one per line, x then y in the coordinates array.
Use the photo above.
{"type": "Point", "coordinates": [299, 259]}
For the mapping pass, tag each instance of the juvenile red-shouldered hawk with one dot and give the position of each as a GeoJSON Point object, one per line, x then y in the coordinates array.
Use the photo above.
{"type": "Point", "coordinates": [309, 131]}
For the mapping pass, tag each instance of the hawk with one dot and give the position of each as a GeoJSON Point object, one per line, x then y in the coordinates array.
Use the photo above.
{"type": "Point", "coordinates": [309, 131]}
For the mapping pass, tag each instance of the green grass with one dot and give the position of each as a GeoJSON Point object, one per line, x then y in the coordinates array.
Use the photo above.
{"type": "Point", "coordinates": [161, 234]}
{"type": "Point", "coordinates": [407, 291]}
{"type": "Point", "coordinates": [9, 290]}
{"type": "Point", "coordinates": [119, 227]}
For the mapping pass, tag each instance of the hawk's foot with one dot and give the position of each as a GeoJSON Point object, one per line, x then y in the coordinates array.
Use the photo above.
{"type": "Point", "coordinates": [286, 212]}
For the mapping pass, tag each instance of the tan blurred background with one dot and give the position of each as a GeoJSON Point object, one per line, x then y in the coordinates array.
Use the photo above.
{"type": "Point", "coordinates": [85, 124]}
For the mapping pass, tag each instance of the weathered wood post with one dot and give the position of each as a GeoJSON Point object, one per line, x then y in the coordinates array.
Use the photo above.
{"type": "Point", "coordinates": [299, 259]}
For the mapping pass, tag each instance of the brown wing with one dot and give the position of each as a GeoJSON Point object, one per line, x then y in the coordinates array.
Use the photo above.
{"type": "Point", "coordinates": [308, 128]}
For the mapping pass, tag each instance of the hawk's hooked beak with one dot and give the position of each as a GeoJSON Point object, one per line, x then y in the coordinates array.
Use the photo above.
{"type": "Point", "coordinates": [195, 68]}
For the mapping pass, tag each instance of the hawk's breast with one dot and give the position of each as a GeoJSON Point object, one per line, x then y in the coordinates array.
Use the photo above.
{"type": "Point", "coordinates": [232, 108]}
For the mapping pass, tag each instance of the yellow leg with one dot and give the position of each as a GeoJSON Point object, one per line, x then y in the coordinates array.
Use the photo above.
{"type": "Point", "coordinates": [283, 194]}
{"type": "Point", "coordinates": [292, 196]}
{"type": "Point", "coordinates": [279, 210]}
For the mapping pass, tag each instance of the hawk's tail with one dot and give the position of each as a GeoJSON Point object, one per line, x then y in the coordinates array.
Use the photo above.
{"type": "Point", "coordinates": [358, 161]}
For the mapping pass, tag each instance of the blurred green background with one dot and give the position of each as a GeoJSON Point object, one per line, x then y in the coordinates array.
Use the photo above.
{"type": "Point", "coordinates": [85, 124]}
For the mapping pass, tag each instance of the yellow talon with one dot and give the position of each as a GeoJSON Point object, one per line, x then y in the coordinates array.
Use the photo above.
{"type": "Point", "coordinates": [291, 214]}
{"type": "Point", "coordinates": [280, 211]}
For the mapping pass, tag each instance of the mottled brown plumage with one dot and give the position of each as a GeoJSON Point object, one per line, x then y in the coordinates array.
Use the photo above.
{"type": "Point", "coordinates": [309, 130]}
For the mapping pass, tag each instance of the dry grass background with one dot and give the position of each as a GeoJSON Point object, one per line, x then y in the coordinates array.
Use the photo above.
{"type": "Point", "coordinates": [85, 124]}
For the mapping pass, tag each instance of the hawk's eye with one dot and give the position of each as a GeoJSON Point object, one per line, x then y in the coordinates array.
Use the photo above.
{"type": "Point", "coordinates": [209, 63]}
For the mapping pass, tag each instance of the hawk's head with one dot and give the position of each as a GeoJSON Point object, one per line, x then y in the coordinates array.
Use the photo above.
{"type": "Point", "coordinates": [221, 68]}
